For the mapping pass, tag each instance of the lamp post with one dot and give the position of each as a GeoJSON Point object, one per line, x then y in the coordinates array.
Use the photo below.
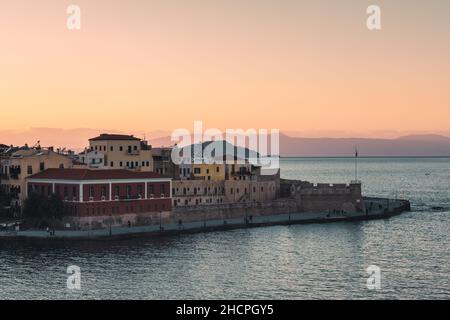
{"type": "Point", "coordinates": [110, 225]}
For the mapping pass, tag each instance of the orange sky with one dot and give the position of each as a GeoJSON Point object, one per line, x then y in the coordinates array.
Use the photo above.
{"type": "Point", "coordinates": [158, 65]}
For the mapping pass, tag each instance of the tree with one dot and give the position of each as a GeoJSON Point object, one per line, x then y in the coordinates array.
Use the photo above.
{"type": "Point", "coordinates": [55, 207]}
{"type": "Point", "coordinates": [34, 206]}
{"type": "Point", "coordinates": [5, 201]}
{"type": "Point", "coordinates": [37, 206]}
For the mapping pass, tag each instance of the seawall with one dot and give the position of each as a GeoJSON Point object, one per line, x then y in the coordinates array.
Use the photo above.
{"type": "Point", "coordinates": [222, 219]}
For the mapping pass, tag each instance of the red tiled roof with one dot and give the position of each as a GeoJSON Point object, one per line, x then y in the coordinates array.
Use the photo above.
{"type": "Point", "coordinates": [106, 136]}
{"type": "Point", "coordinates": [87, 174]}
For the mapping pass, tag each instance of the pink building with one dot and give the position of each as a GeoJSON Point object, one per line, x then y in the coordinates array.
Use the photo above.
{"type": "Point", "coordinates": [105, 193]}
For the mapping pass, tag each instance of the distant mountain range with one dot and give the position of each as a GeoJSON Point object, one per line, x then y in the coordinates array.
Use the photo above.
{"type": "Point", "coordinates": [290, 146]}
{"type": "Point", "coordinates": [406, 146]}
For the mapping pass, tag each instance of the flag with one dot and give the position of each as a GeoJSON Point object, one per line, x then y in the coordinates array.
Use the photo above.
{"type": "Point", "coordinates": [356, 152]}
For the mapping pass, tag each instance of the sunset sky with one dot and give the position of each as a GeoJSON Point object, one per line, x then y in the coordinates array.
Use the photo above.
{"type": "Point", "coordinates": [300, 66]}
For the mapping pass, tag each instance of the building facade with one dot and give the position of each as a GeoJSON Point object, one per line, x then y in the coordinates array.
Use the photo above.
{"type": "Point", "coordinates": [197, 192]}
{"type": "Point", "coordinates": [163, 164]}
{"type": "Point", "coordinates": [95, 198]}
{"type": "Point", "coordinates": [92, 159]}
{"type": "Point", "coordinates": [25, 162]}
{"type": "Point", "coordinates": [122, 152]}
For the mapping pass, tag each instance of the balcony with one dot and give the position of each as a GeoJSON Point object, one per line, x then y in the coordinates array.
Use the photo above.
{"type": "Point", "coordinates": [127, 198]}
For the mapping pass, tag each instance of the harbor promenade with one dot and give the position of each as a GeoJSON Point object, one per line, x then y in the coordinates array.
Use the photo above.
{"type": "Point", "coordinates": [380, 209]}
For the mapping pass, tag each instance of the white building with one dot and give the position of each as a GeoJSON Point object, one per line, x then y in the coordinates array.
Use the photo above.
{"type": "Point", "coordinates": [93, 159]}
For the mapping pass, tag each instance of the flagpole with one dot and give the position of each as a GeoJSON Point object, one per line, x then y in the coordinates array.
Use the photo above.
{"type": "Point", "coordinates": [356, 164]}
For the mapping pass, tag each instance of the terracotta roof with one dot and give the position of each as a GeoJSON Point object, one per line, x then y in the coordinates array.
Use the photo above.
{"type": "Point", "coordinates": [87, 174]}
{"type": "Point", "coordinates": [106, 136]}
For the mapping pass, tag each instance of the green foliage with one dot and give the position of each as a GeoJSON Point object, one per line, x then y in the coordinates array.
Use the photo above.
{"type": "Point", "coordinates": [5, 201]}
{"type": "Point", "coordinates": [41, 207]}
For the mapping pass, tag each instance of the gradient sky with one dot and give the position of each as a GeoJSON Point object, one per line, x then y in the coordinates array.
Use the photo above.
{"type": "Point", "coordinates": [161, 64]}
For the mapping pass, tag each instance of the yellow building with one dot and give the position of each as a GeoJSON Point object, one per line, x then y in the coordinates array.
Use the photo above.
{"type": "Point", "coordinates": [122, 152]}
{"type": "Point", "coordinates": [24, 163]}
{"type": "Point", "coordinates": [209, 172]}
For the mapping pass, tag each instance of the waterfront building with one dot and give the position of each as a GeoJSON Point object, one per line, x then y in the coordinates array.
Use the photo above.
{"type": "Point", "coordinates": [24, 162]}
{"type": "Point", "coordinates": [94, 197]}
{"type": "Point", "coordinates": [201, 192]}
{"type": "Point", "coordinates": [163, 164]}
{"type": "Point", "coordinates": [197, 192]}
{"type": "Point", "coordinates": [122, 152]}
{"type": "Point", "coordinates": [185, 171]}
{"type": "Point", "coordinates": [208, 171]}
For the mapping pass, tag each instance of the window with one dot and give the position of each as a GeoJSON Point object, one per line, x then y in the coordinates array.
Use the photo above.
{"type": "Point", "coordinates": [197, 171]}
{"type": "Point", "coordinates": [30, 170]}
{"type": "Point", "coordinates": [74, 191]}
{"type": "Point", "coordinates": [112, 164]}
{"type": "Point", "coordinates": [139, 190]}
{"type": "Point", "coordinates": [112, 148]}
{"type": "Point", "coordinates": [136, 164]}
{"type": "Point", "coordinates": [117, 190]}
{"type": "Point", "coordinates": [151, 189]}
{"type": "Point", "coordinates": [66, 192]}
{"type": "Point", "coordinates": [103, 191]}
{"type": "Point", "coordinates": [61, 166]}
{"type": "Point", "coordinates": [217, 169]}
{"type": "Point", "coordinates": [121, 148]}
{"type": "Point", "coordinates": [207, 171]}
{"type": "Point", "coordinates": [128, 191]}
{"type": "Point", "coordinates": [143, 163]}
{"type": "Point", "coordinates": [163, 188]}
{"type": "Point", "coordinates": [91, 191]}
{"type": "Point", "coordinates": [121, 164]}
{"type": "Point", "coordinates": [147, 163]}
{"type": "Point", "coordinates": [135, 148]}
{"type": "Point", "coordinates": [42, 166]}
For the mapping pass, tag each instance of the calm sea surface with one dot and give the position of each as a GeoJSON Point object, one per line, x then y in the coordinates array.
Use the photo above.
{"type": "Point", "coordinates": [296, 262]}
